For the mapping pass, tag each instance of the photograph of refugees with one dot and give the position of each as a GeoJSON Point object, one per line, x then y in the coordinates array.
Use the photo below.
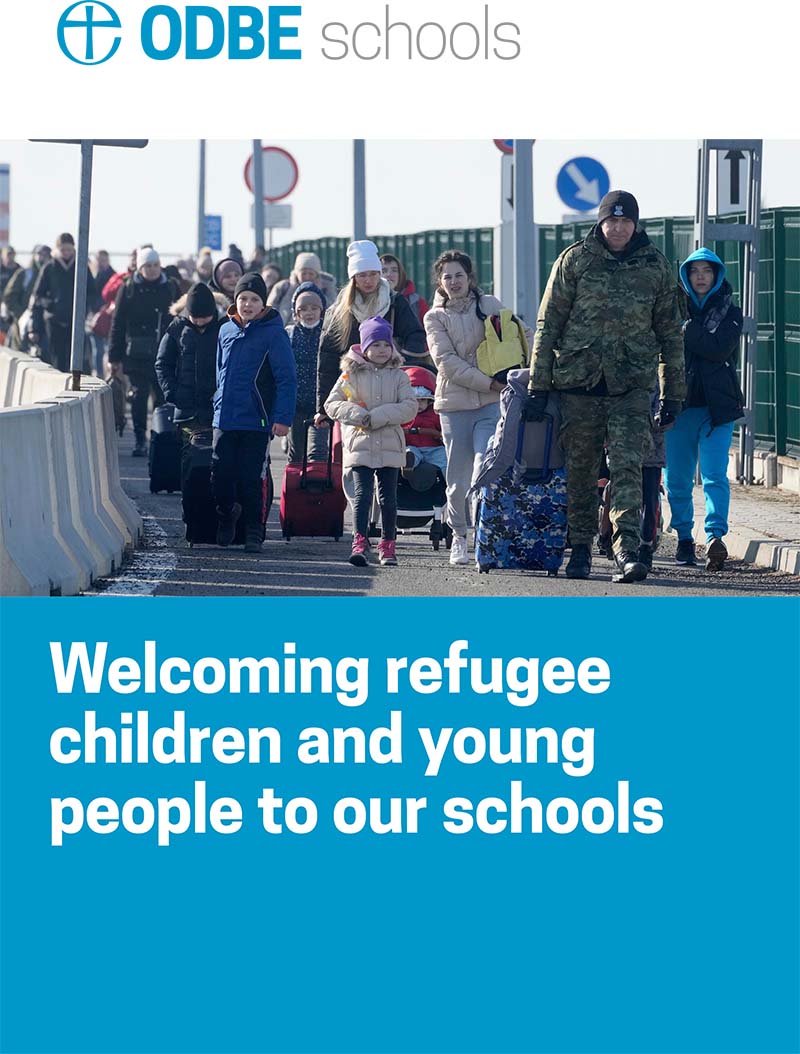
{"type": "Point", "coordinates": [417, 368]}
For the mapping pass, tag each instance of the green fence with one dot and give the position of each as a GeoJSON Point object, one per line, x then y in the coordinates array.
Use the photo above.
{"type": "Point", "coordinates": [416, 251]}
{"type": "Point", "coordinates": [777, 418]}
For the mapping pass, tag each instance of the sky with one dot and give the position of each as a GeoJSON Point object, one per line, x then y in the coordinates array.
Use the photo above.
{"type": "Point", "coordinates": [150, 195]}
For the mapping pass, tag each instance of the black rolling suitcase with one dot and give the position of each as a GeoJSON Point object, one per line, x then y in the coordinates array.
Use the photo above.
{"type": "Point", "coordinates": [199, 508]}
{"type": "Point", "coordinates": [164, 458]}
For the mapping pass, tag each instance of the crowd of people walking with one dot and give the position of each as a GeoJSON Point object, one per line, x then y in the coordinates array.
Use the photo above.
{"type": "Point", "coordinates": [643, 368]}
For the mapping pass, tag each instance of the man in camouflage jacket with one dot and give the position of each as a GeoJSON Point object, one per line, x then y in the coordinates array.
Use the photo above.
{"type": "Point", "coordinates": [609, 330]}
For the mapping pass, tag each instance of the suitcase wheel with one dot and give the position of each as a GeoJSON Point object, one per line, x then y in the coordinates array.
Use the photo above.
{"type": "Point", "coordinates": [553, 573]}
{"type": "Point", "coordinates": [483, 569]}
{"type": "Point", "coordinates": [191, 545]}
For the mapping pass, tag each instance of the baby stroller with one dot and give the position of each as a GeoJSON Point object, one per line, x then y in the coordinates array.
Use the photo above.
{"type": "Point", "coordinates": [421, 501]}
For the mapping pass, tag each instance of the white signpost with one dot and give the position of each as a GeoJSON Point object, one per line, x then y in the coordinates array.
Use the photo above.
{"type": "Point", "coordinates": [275, 216]}
{"type": "Point", "coordinates": [506, 269]}
{"type": "Point", "coordinates": [731, 181]}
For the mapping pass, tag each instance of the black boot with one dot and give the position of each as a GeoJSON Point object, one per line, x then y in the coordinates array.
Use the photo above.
{"type": "Point", "coordinates": [252, 540]}
{"type": "Point", "coordinates": [580, 562]}
{"type": "Point", "coordinates": [645, 555]}
{"type": "Point", "coordinates": [716, 555]}
{"type": "Point", "coordinates": [686, 556]}
{"type": "Point", "coordinates": [140, 450]}
{"type": "Point", "coordinates": [226, 524]}
{"type": "Point", "coordinates": [629, 568]}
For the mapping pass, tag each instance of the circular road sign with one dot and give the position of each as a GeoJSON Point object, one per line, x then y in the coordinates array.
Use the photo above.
{"type": "Point", "coordinates": [280, 173]}
{"type": "Point", "coordinates": [505, 146]}
{"type": "Point", "coordinates": [582, 183]}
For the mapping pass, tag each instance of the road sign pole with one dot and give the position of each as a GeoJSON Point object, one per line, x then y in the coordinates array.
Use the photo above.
{"type": "Point", "coordinates": [201, 198]}
{"type": "Point", "coordinates": [524, 242]}
{"type": "Point", "coordinates": [258, 191]}
{"type": "Point", "coordinates": [506, 268]}
{"type": "Point", "coordinates": [359, 191]}
{"type": "Point", "coordinates": [81, 266]}
{"type": "Point", "coordinates": [82, 250]}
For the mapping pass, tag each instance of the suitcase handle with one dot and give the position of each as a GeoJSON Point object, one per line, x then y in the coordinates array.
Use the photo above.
{"type": "Point", "coordinates": [304, 470]}
{"type": "Point", "coordinates": [536, 475]}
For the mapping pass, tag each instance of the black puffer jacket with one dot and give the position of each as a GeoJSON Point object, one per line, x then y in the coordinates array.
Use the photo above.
{"type": "Point", "coordinates": [54, 292]}
{"type": "Point", "coordinates": [409, 336]}
{"type": "Point", "coordinates": [186, 369]}
{"type": "Point", "coordinates": [711, 344]}
{"type": "Point", "coordinates": [140, 319]}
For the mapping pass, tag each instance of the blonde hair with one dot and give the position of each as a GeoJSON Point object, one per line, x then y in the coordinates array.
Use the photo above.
{"type": "Point", "coordinates": [341, 314]}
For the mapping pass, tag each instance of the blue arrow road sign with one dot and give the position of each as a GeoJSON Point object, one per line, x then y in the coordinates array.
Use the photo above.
{"type": "Point", "coordinates": [214, 232]}
{"type": "Point", "coordinates": [582, 183]}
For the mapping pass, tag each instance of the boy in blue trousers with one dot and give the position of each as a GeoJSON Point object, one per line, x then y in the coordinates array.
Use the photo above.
{"type": "Point", "coordinates": [254, 400]}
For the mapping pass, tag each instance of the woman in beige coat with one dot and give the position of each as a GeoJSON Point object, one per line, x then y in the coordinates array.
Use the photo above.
{"type": "Point", "coordinates": [467, 400]}
{"type": "Point", "coordinates": [372, 400]}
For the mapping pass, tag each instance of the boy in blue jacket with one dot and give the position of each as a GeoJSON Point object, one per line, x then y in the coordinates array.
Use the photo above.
{"type": "Point", "coordinates": [254, 400]}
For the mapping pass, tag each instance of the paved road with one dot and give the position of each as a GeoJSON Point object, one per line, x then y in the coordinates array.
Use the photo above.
{"type": "Point", "coordinates": [165, 566]}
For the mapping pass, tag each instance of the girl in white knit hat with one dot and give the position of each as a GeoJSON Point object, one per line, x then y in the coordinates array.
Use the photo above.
{"type": "Point", "coordinates": [366, 295]}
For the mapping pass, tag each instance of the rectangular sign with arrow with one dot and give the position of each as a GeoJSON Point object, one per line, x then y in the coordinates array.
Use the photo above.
{"type": "Point", "coordinates": [731, 182]}
{"type": "Point", "coordinates": [507, 180]}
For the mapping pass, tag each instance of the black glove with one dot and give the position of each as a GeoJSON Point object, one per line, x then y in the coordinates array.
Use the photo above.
{"type": "Point", "coordinates": [668, 410]}
{"type": "Point", "coordinates": [535, 406]}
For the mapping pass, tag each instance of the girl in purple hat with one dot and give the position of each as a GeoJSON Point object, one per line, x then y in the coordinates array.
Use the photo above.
{"type": "Point", "coordinates": [372, 400]}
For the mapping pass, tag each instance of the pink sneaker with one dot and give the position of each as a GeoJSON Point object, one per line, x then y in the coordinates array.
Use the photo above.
{"type": "Point", "coordinates": [386, 553]}
{"type": "Point", "coordinates": [360, 551]}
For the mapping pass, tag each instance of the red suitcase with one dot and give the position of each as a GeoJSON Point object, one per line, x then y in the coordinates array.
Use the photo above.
{"type": "Point", "coordinates": [312, 499]}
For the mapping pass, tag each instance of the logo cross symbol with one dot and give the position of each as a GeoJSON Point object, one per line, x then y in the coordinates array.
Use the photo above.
{"type": "Point", "coordinates": [90, 23]}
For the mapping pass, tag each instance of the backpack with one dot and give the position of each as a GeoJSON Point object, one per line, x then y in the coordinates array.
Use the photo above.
{"type": "Point", "coordinates": [504, 346]}
{"type": "Point", "coordinates": [532, 450]}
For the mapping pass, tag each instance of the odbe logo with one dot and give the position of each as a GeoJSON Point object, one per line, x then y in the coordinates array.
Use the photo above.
{"type": "Point", "coordinates": [196, 32]}
{"type": "Point", "coordinates": [86, 32]}
{"type": "Point", "coordinates": [201, 32]}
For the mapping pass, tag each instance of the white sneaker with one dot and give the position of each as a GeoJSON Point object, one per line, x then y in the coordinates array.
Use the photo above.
{"type": "Point", "coordinates": [458, 551]}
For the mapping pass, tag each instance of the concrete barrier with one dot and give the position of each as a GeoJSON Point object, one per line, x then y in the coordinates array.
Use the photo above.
{"type": "Point", "coordinates": [64, 518]}
{"type": "Point", "coordinates": [38, 384]}
{"type": "Point", "coordinates": [18, 368]}
{"type": "Point", "coordinates": [34, 560]}
{"type": "Point", "coordinates": [91, 520]}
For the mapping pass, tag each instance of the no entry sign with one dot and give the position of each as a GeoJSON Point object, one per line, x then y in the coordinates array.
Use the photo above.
{"type": "Point", "coordinates": [280, 173]}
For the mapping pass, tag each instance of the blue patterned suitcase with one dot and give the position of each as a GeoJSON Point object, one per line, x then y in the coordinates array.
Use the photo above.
{"type": "Point", "coordinates": [522, 516]}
